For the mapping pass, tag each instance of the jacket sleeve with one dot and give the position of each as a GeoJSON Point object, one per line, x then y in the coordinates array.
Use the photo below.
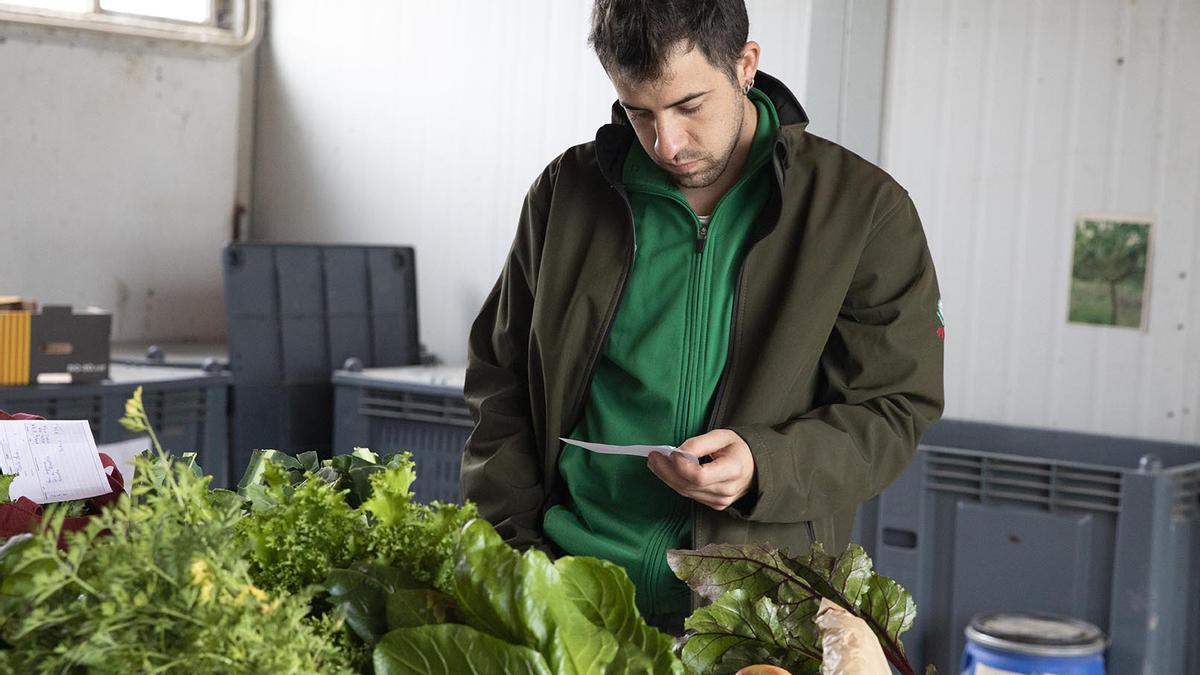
{"type": "Point", "coordinates": [882, 387]}
{"type": "Point", "coordinates": [502, 462]}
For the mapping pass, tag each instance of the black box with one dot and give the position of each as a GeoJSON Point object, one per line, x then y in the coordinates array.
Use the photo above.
{"type": "Point", "coordinates": [56, 345]}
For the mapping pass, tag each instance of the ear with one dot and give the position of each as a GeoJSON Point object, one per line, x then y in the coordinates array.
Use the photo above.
{"type": "Point", "coordinates": [747, 63]}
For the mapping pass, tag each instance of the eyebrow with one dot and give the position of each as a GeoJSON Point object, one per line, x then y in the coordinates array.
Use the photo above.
{"type": "Point", "coordinates": [680, 102]}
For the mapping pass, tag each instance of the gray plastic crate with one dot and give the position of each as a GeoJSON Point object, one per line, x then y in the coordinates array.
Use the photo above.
{"type": "Point", "coordinates": [418, 409]}
{"type": "Point", "coordinates": [211, 357]}
{"type": "Point", "coordinates": [298, 311]}
{"type": "Point", "coordinates": [996, 518]}
{"type": "Point", "coordinates": [189, 409]}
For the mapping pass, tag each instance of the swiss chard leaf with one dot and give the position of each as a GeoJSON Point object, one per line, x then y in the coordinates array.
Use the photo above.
{"type": "Point", "coordinates": [795, 586]}
{"type": "Point", "coordinates": [851, 574]}
{"type": "Point", "coordinates": [736, 631]}
{"type": "Point", "coordinates": [757, 569]}
{"type": "Point", "coordinates": [891, 607]}
{"type": "Point", "coordinates": [451, 649]}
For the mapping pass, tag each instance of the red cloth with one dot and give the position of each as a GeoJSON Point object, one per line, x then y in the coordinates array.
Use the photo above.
{"type": "Point", "coordinates": [25, 515]}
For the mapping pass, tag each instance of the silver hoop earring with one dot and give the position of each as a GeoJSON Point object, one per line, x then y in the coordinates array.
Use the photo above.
{"type": "Point", "coordinates": [749, 86]}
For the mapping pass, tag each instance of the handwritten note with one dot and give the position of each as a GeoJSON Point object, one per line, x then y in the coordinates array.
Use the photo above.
{"type": "Point", "coordinates": [636, 450]}
{"type": "Point", "coordinates": [53, 461]}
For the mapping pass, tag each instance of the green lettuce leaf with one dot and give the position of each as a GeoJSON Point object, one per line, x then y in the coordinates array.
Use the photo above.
{"type": "Point", "coordinates": [409, 607]}
{"type": "Point", "coordinates": [451, 649]}
{"type": "Point", "coordinates": [603, 593]}
{"type": "Point", "coordinates": [362, 599]}
{"type": "Point", "coordinates": [519, 598]}
{"type": "Point", "coordinates": [5, 483]}
{"type": "Point", "coordinates": [391, 494]}
{"type": "Point", "coordinates": [364, 595]}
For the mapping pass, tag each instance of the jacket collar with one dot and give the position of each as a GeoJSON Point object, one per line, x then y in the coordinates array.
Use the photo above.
{"type": "Point", "coordinates": [613, 140]}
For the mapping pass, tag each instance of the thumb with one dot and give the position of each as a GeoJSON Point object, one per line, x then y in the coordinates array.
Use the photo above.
{"type": "Point", "coordinates": [704, 444]}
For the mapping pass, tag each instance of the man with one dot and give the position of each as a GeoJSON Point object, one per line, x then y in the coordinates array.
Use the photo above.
{"type": "Point", "coordinates": [704, 274]}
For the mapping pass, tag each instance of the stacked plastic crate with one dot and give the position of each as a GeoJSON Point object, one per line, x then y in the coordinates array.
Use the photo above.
{"type": "Point", "coordinates": [297, 312]}
{"type": "Point", "coordinates": [417, 409]}
{"type": "Point", "coordinates": [996, 518]}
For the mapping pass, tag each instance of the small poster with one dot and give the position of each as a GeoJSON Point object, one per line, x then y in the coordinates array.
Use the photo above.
{"type": "Point", "coordinates": [1109, 284]}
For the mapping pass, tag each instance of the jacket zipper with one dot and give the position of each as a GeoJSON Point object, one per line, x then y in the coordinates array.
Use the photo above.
{"type": "Point", "coordinates": [608, 324]}
{"type": "Point", "coordinates": [719, 397]}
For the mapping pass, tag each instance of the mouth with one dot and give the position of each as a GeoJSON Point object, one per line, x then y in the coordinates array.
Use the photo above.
{"type": "Point", "coordinates": [685, 168]}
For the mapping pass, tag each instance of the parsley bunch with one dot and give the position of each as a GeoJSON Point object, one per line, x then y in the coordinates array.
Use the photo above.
{"type": "Point", "coordinates": [157, 582]}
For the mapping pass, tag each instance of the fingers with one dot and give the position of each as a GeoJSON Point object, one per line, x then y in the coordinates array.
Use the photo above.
{"type": "Point", "coordinates": [713, 485]}
{"type": "Point", "coordinates": [695, 476]}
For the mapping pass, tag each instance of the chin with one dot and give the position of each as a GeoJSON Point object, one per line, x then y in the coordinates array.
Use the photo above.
{"type": "Point", "coordinates": [696, 180]}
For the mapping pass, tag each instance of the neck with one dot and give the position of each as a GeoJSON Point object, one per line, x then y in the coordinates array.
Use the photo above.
{"type": "Point", "coordinates": [704, 200]}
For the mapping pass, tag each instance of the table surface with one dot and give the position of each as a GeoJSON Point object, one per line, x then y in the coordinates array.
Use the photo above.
{"type": "Point", "coordinates": [439, 376]}
{"type": "Point", "coordinates": [176, 353]}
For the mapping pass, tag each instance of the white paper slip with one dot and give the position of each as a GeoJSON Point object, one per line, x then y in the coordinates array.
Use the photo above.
{"type": "Point", "coordinates": [53, 461]}
{"type": "Point", "coordinates": [637, 450]}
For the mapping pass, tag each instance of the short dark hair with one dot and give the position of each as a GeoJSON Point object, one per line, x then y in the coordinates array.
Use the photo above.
{"type": "Point", "coordinates": [635, 38]}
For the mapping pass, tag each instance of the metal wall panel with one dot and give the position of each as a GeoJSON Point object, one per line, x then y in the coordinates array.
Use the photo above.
{"type": "Point", "coordinates": [1007, 119]}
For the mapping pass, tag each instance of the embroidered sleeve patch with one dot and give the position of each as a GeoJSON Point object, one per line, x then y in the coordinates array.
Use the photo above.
{"type": "Point", "coordinates": [941, 330]}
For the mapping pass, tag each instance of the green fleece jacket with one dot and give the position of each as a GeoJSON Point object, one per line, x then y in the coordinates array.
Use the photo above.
{"type": "Point", "coordinates": [834, 366]}
{"type": "Point", "coordinates": [659, 370]}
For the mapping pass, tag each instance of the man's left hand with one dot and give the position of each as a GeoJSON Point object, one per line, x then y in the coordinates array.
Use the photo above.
{"type": "Point", "coordinates": [716, 484]}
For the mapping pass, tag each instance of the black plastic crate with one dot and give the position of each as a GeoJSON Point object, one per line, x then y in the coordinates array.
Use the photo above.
{"type": "Point", "coordinates": [417, 409]}
{"type": "Point", "coordinates": [189, 409]}
{"type": "Point", "coordinates": [998, 518]}
{"type": "Point", "coordinates": [297, 312]}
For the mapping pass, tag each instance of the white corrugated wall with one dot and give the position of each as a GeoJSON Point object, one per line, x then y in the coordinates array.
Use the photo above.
{"type": "Point", "coordinates": [425, 123]}
{"type": "Point", "coordinates": [1007, 119]}
{"type": "Point", "coordinates": [119, 168]}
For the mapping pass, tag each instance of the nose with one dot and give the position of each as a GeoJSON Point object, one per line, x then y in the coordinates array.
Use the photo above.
{"type": "Point", "coordinates": [670, 139]}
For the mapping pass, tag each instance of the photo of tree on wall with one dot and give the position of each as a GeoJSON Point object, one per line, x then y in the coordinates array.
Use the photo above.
{"type": "Point", "coordinates": [1108, 278]}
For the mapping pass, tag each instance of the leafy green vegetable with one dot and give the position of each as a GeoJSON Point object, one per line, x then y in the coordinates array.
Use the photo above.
{"type": "Point", "coordinates": [408, 607]}
{"type": "Point", "coordinates": [451, 650]}
{"type": "Point", "coordinates": [297, 534]}
{"type": "Point", "coordinates": [363, 600]}
{"type": "Point", "coordinates": [156, 582]}
{"type": "Point", "coordinates": [603, 593]}
{"type": "Point", "coordinates": [417, 538]}
{"type": "Point", "coordinates": [332, 566]}
{"type": "Point", "coordinates": [737, 630]}
{"type": "Point", "coordinates": [740, 628]}
{"type": "Point", "coordinates": [516, 597]}
{"type": "Point", "coordinates": [5, 483]}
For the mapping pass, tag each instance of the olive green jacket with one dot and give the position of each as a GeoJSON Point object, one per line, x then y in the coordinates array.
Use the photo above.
{"type": "Point", "coordinates": [835, 354]}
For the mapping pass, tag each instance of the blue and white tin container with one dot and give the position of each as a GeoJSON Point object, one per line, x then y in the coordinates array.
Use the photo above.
{"type": "Point", "coordinates": [1017, 643]}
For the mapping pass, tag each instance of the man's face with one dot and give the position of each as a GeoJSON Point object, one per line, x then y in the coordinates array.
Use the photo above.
{"type": "Point", "coordinates": [688, 120]}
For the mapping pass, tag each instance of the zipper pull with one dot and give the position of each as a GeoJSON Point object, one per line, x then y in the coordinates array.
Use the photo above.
{"type": "Point", "coordinates": [702, 239]}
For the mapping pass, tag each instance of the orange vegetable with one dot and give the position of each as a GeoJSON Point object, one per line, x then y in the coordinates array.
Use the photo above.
{"type": "Point", "coordinates": [762, 669]}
